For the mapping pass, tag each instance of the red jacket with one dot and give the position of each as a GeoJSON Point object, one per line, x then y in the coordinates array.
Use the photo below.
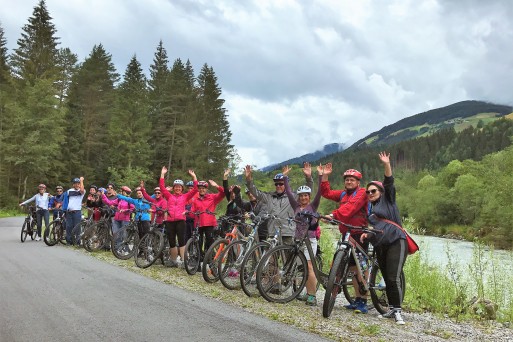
{"type": "Point", "coordinates": [207, 202]}
{"type": "Point", "coordinates": [176, 203]}
{"type": "Point", "coordinates": [161, 203]}
{"type": "Point", "coordinates": [124, 208]}
{"type": "Point", "coordinates": [353, 207]}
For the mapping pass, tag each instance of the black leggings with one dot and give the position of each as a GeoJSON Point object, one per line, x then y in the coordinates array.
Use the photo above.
{"type": "Point", "coordinates": [391, 260]}
{"type": "Point", "coordinates": [143, 227]}
{"type": "Point", "coordinates": [175, 229]}
{"type": "Point", "coordinates": [208, 232]}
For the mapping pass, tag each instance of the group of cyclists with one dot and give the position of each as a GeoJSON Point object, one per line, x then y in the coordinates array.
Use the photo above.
{"type": "Point", "coordinates": [174, 206]}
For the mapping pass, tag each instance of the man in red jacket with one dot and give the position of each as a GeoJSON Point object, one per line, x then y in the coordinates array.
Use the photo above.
{"type": "Point", "coordinates": [353, 211]}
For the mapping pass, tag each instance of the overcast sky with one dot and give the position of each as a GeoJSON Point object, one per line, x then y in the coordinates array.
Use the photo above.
{"type": "Point", "coordinates": [297, 75]}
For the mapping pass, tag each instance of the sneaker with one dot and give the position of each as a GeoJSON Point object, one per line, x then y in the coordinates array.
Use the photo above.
{"type": "Point", "coordinates": [38, 238]}
{"type": "Point", "coordinates": [352, 306]}
{"type": "Point", "coordinates": [393, 313]}
{"type": "Point", "coordinates": [361, 307]}
{"type": "Point", "coordinates": [302, 297]}
{"type": "Point", "coordinates": [173, 263]}
{"type": "Point", "coordinates": [233, 273]}
{"type": "Point", "coordinates": [398, 318]}
{"type": "Point", "coordinates": [311, 300]}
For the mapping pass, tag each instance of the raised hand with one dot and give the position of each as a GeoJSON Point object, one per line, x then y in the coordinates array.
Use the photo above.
{"type": "Point", "coordinates": [193, 174]}
{"type": "Point", "coordinates": [320, 169]}
{"type": "Point", "coordinates": [328, 169]}
{"type": "Point", "coordinates": [226, 173]}
{"type": "Point", "coordinates": [307, 169]}
{"type": "Point", "coordinates": [141, 184]}
{"type": "Point", "coordinates": [285, 170]}
{"type": "Point", "coordinates": [384, 157]}
{"type": "Point", "coordinates": [247, 171]}
{"type": "Point", "coordinates": [163, 172]}
{"type": "Point", "coordinates": [214, 184]}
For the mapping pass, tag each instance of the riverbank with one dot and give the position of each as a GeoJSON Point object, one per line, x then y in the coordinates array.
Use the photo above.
{"type": "Point", "coordinates": [343, 325]}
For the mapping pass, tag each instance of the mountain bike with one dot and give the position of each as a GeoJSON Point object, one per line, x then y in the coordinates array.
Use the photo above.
{"type": "Point", "coordinates": [124, 242]}
{"type": "Point", "coordinates": [56, 231]}
{"type": "Point", "coordinates": [151, 245]}
{"type": "Point", "coordinates": [192, 253]}
{"type": "Point", "coordinates": [98, 235]}
{"type": "Point", "coordinates": [283, 271]}
{"type": "Point", "coordinates": [209, 268]}
{"type": "Point", "coordinates": [231, 260]}
{"type": "Point", "coordinates": [29, 224]}
{"type": "Point", "coordinates": [81, 228]}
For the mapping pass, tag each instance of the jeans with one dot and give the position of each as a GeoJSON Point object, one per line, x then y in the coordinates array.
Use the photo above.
{"type": "Point", "coordinates": [40, 214]}
{"type": "Point", "coordinates": [73, 218]}
{"type": "Point", "coordinates": [116, 226]}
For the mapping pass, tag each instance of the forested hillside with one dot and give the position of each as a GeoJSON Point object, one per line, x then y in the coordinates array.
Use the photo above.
{"type": "Point", "coordinates": [62, 118]}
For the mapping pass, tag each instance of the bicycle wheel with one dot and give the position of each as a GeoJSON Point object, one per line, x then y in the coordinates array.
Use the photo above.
{"type": "Point", "coordinates": [124, 242]}
{"type": "Point", "coordinates": [33, 229]}
{"type": "Point", "coordinates": [50, 236]}
{"type": "Point", "coordinates": [80, 232]}
{"type": "Point", "coordinates": [210, 261]}
{"type": "Point", "coordinates": [282, 274]}
{"type": "Point", "coordinates": [149, 248]}
{"type": "Point", "coordinates": [192, 256]}
{"type": "Point", "coordinates": [378, 291]}
{"type": "Point", "coordinates": [230, 262]}
{"type": "Point", "coordinates": [24, 231]}
{"type": "Point", "coordinates": [336, 279]}
{"type": "Point", "coordinates": [249, 266]}
{"type": "Point", "coordinates": [96, 237]}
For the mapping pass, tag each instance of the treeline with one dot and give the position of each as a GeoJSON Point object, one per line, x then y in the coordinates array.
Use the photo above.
{"type": "Point", "coordinates": [61, 118]}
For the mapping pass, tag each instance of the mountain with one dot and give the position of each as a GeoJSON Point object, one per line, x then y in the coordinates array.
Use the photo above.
{"type": "Point", "coordinates": [459, 115]}
{"type": "Point", "coordinates": [309, 157]}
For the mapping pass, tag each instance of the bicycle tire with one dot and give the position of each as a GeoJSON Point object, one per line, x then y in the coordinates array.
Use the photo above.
{"type": "Point", "coordinates": [50, 236]}
{"type": "Point", "coordinates": [149, 248]}
{"type": "Point", "coordinates": [33, 229]}
{"type": "Point", "coordinates": [192, 255]}
{"type": "Point", "coordinates": [97, 237]}
{"type": "Point", "coordinates": [124, 243]}
{"type": "Point", "coordinates": [379, 294]}
{"type": "Point", "coordinates": [249, 266]}
{"type": "Point", "coordinates": [282, 274]}
{"type": "Point", "coordinates": [78, 232]}
{"type": "Point", "coordinates": [230, 262]}
{"type": "Point", "coordinates": [209, 268]}
{"type": "Point", "coordinates": [24, 231]}
{"type": "Point", "coordinates": [338, 272]}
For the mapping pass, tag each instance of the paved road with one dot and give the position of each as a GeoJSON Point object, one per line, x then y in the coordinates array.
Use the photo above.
{"type": "Point", "coordinates": [59, 294]}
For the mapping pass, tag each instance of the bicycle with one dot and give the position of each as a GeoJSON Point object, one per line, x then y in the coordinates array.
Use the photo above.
{"type": "Point", "coordinates": [192, 253]}
{"type": "Point", "coordinates": [124, 242]}
{"type": "Point", "coordinates": [98, 234]}
{"type": "Point", "coordinates": [56, 231]}
{"type": "Point", "coordinates": [209, 268]}
{"type": "Point", "coordinates": [231, 260]}
{"type": "Point", "coordinates": [151, 245]}
{"type": "Point", "coordinates": [78, 233]}
{"type": "Point", "coordinates": [29, 224]}
{"type": "Point", "coordinates": [253, 257]}
{"type": "Point", "coordinates": [339, 277]}
{"type": "Point", "coordinates": [283, 271]}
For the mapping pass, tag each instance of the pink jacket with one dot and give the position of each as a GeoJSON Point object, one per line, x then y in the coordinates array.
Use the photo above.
{"type": "Point", "coordinates": [124, 208]}
{"type": "Point", "coordinates": [207, 202]}
{"type": "Point", "coordinates": [176, 203]}
{"type": "Point", "coordinates": [161, 203]}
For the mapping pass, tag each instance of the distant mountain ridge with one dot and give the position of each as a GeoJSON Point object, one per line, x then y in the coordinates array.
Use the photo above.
{"type": "Point", "coordinates": [309, 157]}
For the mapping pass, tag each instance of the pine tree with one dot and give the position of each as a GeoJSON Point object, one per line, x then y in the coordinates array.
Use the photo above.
{"type": "Point", "coordinates": [67, 62]}
{"type": "Point", "coordinates": [130, 127]}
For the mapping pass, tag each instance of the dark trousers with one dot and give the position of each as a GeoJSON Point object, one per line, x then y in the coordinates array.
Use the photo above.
{"type": "Point", "coordinates": [207, 234]}
{"type": "Point", "coordinates": [40, 215]}
{"type": "Point", "coordinates": [391, 260]}
{"type": "Point", "coordinates": [72, 219]}
{"type": "Point", "coordinates": [143, 227]}
{"type": "Point", "coordinates": [174, 230]}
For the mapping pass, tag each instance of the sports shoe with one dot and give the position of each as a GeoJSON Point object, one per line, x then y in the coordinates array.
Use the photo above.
{"type": "Point", "coordinates": [38, 238]}
{"type": "Point", "coordinates": [302, 297]}
{"type": "Point", "coordinates": [388, 314]}
{"type": "Point", "coordinates": [173, 263]}
{"type": "Point", "coordinates": [352, 306]}
{"type": "Point", "coordinates": [398, 318]}
{"type": "Point", "coordinates": [361, 306]}
{"type": "Point", "coordinates": [311, 300]}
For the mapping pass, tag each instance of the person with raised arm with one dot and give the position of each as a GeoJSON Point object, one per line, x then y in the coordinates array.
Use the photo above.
{"type": "Point", "coordinates": [276, 203]}
{"type": "Point", "coordinates": [122, 208]}
{"type": "Point", "coordinates": [175, 221]}
{"type": "Point", "coordinates": [390, 245]}
{"type": "Point", "coordinates": [158, 201]}
{"type": "Point", "coordinates": [352, 210]}
{"type": "Point", "coordinates": [306, 226]}
{"type": "Point", "coordinates": [142, 211]}
{"type": "Point", "coordinates": [72, 205]}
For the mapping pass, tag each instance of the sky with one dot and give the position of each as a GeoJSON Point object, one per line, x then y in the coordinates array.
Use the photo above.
{"type": "Point", "coordinates": [297, 75]}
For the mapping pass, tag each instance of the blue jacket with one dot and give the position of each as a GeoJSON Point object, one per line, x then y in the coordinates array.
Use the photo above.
{"type": "Point", "coordinates": [142, 207]}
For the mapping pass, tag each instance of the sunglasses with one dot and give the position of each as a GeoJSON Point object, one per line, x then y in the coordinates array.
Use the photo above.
{"type": "Point", "coordinates": [373, 191]}
{"type": "Point", "coordinates": [279, 184]}
{"type": "Point", "coordinates": [157, 192]}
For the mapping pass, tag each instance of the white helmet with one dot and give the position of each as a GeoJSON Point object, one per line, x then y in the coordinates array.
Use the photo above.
{"type": "Point", "coordinates": [178, 182]}
{"type": "Point", "coordinates": [303, 189]}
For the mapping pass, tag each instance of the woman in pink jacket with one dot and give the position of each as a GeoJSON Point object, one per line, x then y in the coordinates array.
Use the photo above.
{"type": "Point", "coordinates": [175, 222]}
{"type": "Point", "coordinates": [124, 209]}
{"type": "Point", "coordinates": [207, 222]}
{"type": "Point", "coordinates": [158, 201]}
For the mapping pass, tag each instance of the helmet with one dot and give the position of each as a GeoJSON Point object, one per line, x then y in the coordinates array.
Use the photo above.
{"type": "Point", "coordinates": [92, 186]}
{"type": "Point", "coordinates": [102, 190]}
{"type": "Point", "coordinates": [189, 183]}
{"type": "Point", "coordinates": [203, 184]}
{"type": "Point", "coordinates": [378, 184]}
{"type": "Point", "coordinates": [42, 186]}
{"type": "Point", "coordinates": [278, 176]}
{"type": "Point", "coordinates": [353, 173]}
{"type": "Point", "coordinates": [157, 188]}
{"type": "Point", "coordinates": [58, 187]}
{"type": "Point", "coordinates": [126, 189]}
{"type": "Point", "coordinates": [138, 188]}
{"type": "Point", "coordinates": [178, 182]}
{"type": "Point", "coordinates": [303, 189]}
{"type": "Point", "coordinates": [75, 180]}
